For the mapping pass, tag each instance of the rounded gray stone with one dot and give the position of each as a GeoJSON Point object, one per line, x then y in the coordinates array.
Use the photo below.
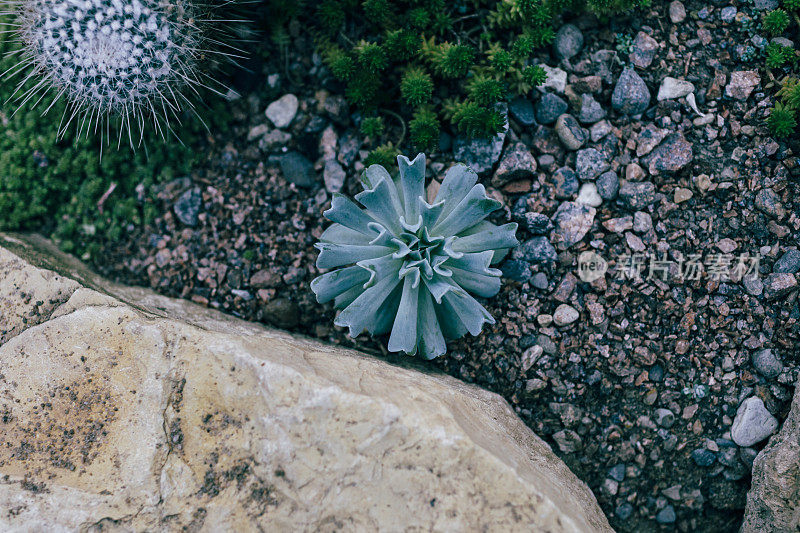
{"type": "Point", "coordinates": [753, 423]}
{"type": "Point", "coordinates": [568, 41]}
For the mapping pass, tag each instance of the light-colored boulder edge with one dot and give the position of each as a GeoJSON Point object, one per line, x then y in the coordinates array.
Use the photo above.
{"type": "Point", "coordinates": [149, 473]}
{"type": "Point", "coordinates": [773, 503]}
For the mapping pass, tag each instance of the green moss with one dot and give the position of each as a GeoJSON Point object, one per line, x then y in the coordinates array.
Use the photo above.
{"type": "Point", "coordinates": [776, 21]}
{"type": "Point", "coordinates": [384, 155]}
{"type": "Point", "coordinates": [424, 128]}
{"type": "Point", "coordinates": [416, 87]}
{"type": "Point", "coordinates": [373, 127]}
{"type": "Point", "coordinates": [472, 54]}
{"type": "Point", "coordinates": [782, 120]}
{"type": "Point", "coordinates": [779, 55]}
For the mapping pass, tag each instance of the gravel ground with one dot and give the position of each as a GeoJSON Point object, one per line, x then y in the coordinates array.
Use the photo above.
{"type": "Point", "coordinates": [635, 383]}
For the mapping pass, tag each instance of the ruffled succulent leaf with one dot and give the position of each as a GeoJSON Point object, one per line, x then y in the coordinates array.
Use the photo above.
{"type": "Point", "coordinates": [410, 268]}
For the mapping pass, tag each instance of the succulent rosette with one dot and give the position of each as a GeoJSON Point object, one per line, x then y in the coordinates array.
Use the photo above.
{"type": "Point", "coordinates": [410, 268]}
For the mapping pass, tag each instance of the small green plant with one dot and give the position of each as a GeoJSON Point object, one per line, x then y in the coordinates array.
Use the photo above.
{"type": "Point", "coordinates": [454, 60]}
{"type": "Point", "coordinates": [782, 120]}
{"type": "Point", "coordinates": [791, 5]}
{"type": "Point", "coordinates": [384, 155]}
{"type": "Point", "coordinates": [790, 92]}
{"type": "Point", "coordinates": [775, 22]}
{"type": "Point", "coordinates": [373, 127]}
{"type": "Point", "coordinates": [779, 55]}
{"type": "Point", "coordinates": [425, 129]}
{"type": "Point", "coordinates": [416, 87]}
{"type": "Point", "coordinates": [407, 267]}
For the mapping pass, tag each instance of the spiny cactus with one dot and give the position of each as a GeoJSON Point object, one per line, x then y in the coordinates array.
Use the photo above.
{"type": "Point", "coordinates": [111, 58]}
{"type": "Point", "coordinates": [407, 267]}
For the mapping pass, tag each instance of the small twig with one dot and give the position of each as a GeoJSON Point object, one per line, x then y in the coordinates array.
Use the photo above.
{"type": "Point", "coordinates": [402, 124]}
{"type": "Point", "coordinates": [105, 196]}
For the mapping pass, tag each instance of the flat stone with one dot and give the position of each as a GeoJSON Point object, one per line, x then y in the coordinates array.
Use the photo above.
{"type": "Point", "coordinates": [546, 141]}
{"type": "Point", "coordinates": [665, 418]}
{"type": "Point", "coordinates": [773, 503]}
{"type": "Point", "coordinates": [777, 285]}
{"type": "Point", "coordinates": [516, 270]}
{"type": "Point", "coordinates": [539, 281]}
{"type": "Point", "coordinates": [565, 315]}
{"type": "Point", "coordinates": [599, 131]}
{"type": "Point", "coordinates": [591, 110]}
{"type": "Point", "coordinates": [789, 263]}
{"type": "Point", "coordinates": [177, 407]}
{"type": "Point", "coordinates": [631, 96]}
{"type": "Point", "coordinates": [572, 221]}
{"type": "Point", "coordinates": [537, 223]}
{"type": "Point", "coordinates": [727, 14]}
{"type": "Point", "coordinates": [677, 13]}
{"type": "Point", "coordinates": [568, 41]}
{"type": "Point", "coordinates": [479, 154]}
{"type": "Point", "coordinates": [619, 224]}
{"type": "Point", "coordinates": [673, 88]}
{"type": "Point", "coordinates": [608, 185]}
{"type": "Point", "coordinates": [521, 109]}
{"type": "Point", "coordinates": [588, 195]}
{"type": "Point", "coordinates": [767, 364]}
{"type": "Point", "coordinates": [298, 169]}
{"type": "Point", "coordinates": [673, 154]}
{"type": "Point", "coordinates": [565, 183]}
{"type": "Point", "coordinates": [517, 164]}
{"type": "Point", "coordinates": [741, 84]}
{"type": "Point", "coordinates": [767, 201]}
{"type": "Point", "coordinates": [536, 250]}
{"type": "Point", "coordinates": [570, 133]}
{"type": "Point", "coordinates": [588, 84]}
{"type": "Point", "coordinates": [556, 80]}
{"type": "Point", "coordinates": [617, 472]}
{"type": "Point", "coordinates": [650, 137]}
{"type": "Point", "coordinates": [765, 5]}
{"type": "Point", "coordinates": [637, 195]}
{"type": "Point", "coordinates": [642, 222]}
{"type": "Point", "coordinates": [666, 515]}
{"type": "Point", "coordinates": [274, 140]}
{"type": "Point", "coordinates": [681, 194]}
{"type": "Point", "coordinates": [282, 111]}
{"type": "Point", "coordinates": [568, 441]}
{"type": "Point", "coordinates": [753, 423]}
{"type": "Point", "coordinates": [703, 457]}
{"type": "Point", "coordinates": [590, 163]}
{"type": "Point", "coordinates": [643, 51]}
{"type": "Point", "coordinates": [333, 175]}
{"type": "Point", "coordinates": [188, 206]}
{"type": "Point", "coordinates": [549, 108]}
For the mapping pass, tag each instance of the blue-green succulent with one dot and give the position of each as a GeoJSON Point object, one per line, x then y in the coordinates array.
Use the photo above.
{"type": "Point", "coordinates": [408, 267]}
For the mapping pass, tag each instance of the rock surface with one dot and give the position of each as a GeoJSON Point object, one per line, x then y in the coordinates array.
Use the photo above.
{"type": "Point", "coordinates": [163, 415]}
{"type": "Point", "coordinates": [773, 503]}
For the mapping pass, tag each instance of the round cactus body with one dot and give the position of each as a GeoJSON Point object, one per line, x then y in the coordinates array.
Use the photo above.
{"type": "Point", "coordinates": [128, 60]}
{"type": "Point", "coordinates": [110, 55]}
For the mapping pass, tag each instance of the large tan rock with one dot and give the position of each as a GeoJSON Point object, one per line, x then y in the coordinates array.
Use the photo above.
{"type": "Point", "coordinates": [121, 410]}
{"type": "Point", "coordinates": [773, 503]}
